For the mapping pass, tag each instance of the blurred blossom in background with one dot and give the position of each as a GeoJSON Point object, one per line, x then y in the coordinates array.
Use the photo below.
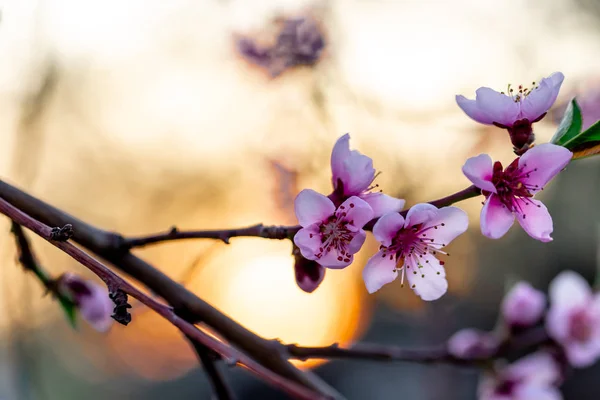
{"type": "Point", "coordinates": [140, 115]}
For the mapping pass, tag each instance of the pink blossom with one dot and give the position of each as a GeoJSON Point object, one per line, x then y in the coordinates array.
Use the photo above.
{"type": "Point", "coordinates": [410, 245]}
{"type": "Point", "coordinates": [574, 318]}
{"type": "Point", "coordinates": [90, 298]}
{"type": "Point", "coordinates": [589, 103]}
{"type": "Point", "coordinates": [510, 192]}
{"type": "Point", "coordinates": [531, 377]}
{"type": "Point", "coordinates": [523, 305]}
{"type": "Point", "coordinates": [472, 344]}
{"type": "Point", "coordinates": [330, 236]}
{"type": "Point", "coordinates": [514, 110]}
{"type": "Point", "coordinates": [353, 175]}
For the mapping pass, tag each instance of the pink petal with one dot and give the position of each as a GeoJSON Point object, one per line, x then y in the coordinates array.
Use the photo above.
{"type": "Point", "coordinates": [331, 259]}
{"type": "Point", "coordinates": [358, 212]}
{"type": "Point", "coordinates": [557, 323]}
{"type": "Point", "coordinates": [535, 219]}
{"type": "Point", "coordinates": [541, 99]}
{"type": "Point", "coordinates": [542, 163]}
{"type": "Point", "coordinates": [386, 228]}
{"type": "Point", "coordinates": [479, 170]}
{"type": "Point", "coordinates": [455, 223]}
{"type": "Point", "coordinates": [540, 368]}
{"type": "Point", "coordinates": [309, 274]}
{"type": "Point", "coordinates": [523, 305]}
{"type": "Point", "coordinates": [496, 219]}
{"type": "Point", "coordinates": [340, 152]}
{"type": "Point", "coordinates": [357, 242]}
{"type": "Point", "coordinates": [499, 107]}
{"type": "Point", "coordinates": [382, 203]}
{"type": "Point", "coordinates": [527, 391]}
{"type": "Point", "coordinates": [583, 354]}
{"type": "Point", "coordinates": [379, 271]}
{"type": "Point", "coordinates": [471, 108]}
{"type": "Point", "coordinates": [359, 173]}
{"type": "Point", "coordinates": [420, 213]}
{"type": "Point", "coordinates": [312, 207]}
{"type": "Point", "coordinates": [429, 281]}
{"type": "Point", "coordinates": [471, 343]}
{"type": "Point", "coordinates": [568, 290]}
{"type": "Point", "coordinates": [309, 246]}
{"type": "Point", "coordinates": [97, 308]}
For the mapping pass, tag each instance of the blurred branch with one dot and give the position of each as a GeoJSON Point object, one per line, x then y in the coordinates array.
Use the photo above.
{"type": "Point", "coordinates": [264, 231]}
{"type": "Point", "coordinates": [208, 359]}
{"type": "Point", "coordinates": [430, 355]}
{"type": "Point", "coordinates": [186, 306]}
{"type": "Point", "coordinates": [116, 284]}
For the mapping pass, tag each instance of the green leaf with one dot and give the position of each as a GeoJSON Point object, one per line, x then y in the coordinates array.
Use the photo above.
{"type": "Point", "coordinates": [570, 126]}
{"type": "Point", "coordinates": [70, 311]}
{"type": "Point", "coordinates": [588, 143]}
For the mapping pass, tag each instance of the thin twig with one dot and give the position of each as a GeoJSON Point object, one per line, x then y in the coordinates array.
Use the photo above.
{"type": "Point", "coordinates": [114, 283]}
{"type": "Point", "coordinates": [209, 359]}
{"type": "Point", "coordinates": [264, 231]}
{"type": "Point", "coordinates": [436, 354]}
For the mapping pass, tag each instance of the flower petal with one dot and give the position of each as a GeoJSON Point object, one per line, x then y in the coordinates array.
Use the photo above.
{"type": "Point", "coordinates": [541, 99]}
{"type": "Point", "coordinates": [471, 108]}
{"type": "Point", "coordinates": [334, 259]}
{"type": "Point", "coordinates": [97, 308]}
{"type": "Point", "coordinates": [420, 213]}
{"type": "Point", "coordinates": [479, 170]}
{"type": "Point", "coordinates": [387, 227]}
{"type": "Point", "coordinates": [523, 305]}
{"type": "Point", "coordinates": [309, 274]}
{"type": "Point", "coordinates": [426, 278]}
{"type": "Point", "coordinates": [527, 391]}
{"type": "Point", "coordinates": [535, 219]}
{"type": "Point", "coordinates": [568, 290]}
{"type": "Point", "coordinates": [538, 367]}
{"type": "Point", "coordinates": [358, 212]}
{"type": "Point", "coordinates": [583, 354]}
{"type": "Point", "coordinates": [308, 241]}
{"type": "Point", "coordinates": [500, 108]}
{"type": "Point", "coordinates": [445, 226]}
{"type": "Point", "coordinates": [378, 271]}
{"type": "Point", "coordinates": [357, 242]}
{"type": "Point", "coordinates": [339, 154]}
{"type": "Point", "coordinates": [542, 163]}
{"type": "Point", "coordinates": [496, 219]}
{"type": "Point", "coordinates": [359, 173]}
{"type": "Point", "coordinates": [382, 203]}
{"type": "Point", "coordinates": [312, 207]}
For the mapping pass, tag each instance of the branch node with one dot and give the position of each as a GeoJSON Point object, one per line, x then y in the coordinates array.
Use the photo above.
{"type": "Point", "coordinates": [120, 313]}
{"type": "Point", "coordinates": [62, 234]}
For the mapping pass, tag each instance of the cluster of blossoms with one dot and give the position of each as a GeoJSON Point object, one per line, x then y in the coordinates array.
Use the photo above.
{"type": "Point", "coordinates": [572, 325]}
{"type": "Point", "coordinates": [333, 227]}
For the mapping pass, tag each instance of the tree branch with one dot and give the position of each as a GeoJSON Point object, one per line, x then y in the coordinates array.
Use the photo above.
{"type": "Point", "coordinates": [208, 359]}
{"type": "Point", "coordinates": [115, 283]}
{"type": "Point", "coordinates": [186, 305]}
{"type": "Point", "coordinates": [437, 354]}
{"type": "Point", "coordinates": [263, 231]}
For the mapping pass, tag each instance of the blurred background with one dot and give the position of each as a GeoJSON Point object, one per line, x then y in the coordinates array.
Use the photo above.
{"type": "Point", "coordinates": [142, 114]}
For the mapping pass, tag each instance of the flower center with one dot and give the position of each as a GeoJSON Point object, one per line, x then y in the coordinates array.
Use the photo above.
{"type": "Point", "coordinates": [520, 93]}
{"type": "Point", "coordinates": [335, 234]}
{"type": "Point", "coordinates": [512, 187]}
{"type": "Point", "coordinates": [410, 246]}
{"type": "Point", "coordinates": [506, 386]}
{"type": "Point", "coordinates": [581, 326]}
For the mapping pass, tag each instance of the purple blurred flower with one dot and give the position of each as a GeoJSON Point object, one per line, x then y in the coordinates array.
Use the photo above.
{"type": "Point", "coordinates": [299, 42]}
{"type": "Point", "coordinates": [589, 103]}
{"type": "Point", "coordinates": [472, 344]}
{"type": "Point", "coordinates": [574, 318]}
{"type": "Point", "coordinates": [531, 377]}
{"type": "Point", "coordinates": [523, 305]}
{"type": "Point", "coordinates": [90, 298]}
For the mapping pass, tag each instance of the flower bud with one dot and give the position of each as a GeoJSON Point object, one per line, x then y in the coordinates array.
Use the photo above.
{"type": "Point", "coordinates": [472, 344]}
{"type": "Point", "coordinates": [309, 274]}
{"type": "Point", "coordinates": [523, 305]}
{"type": "Point", "coordinates": [90, 298]}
